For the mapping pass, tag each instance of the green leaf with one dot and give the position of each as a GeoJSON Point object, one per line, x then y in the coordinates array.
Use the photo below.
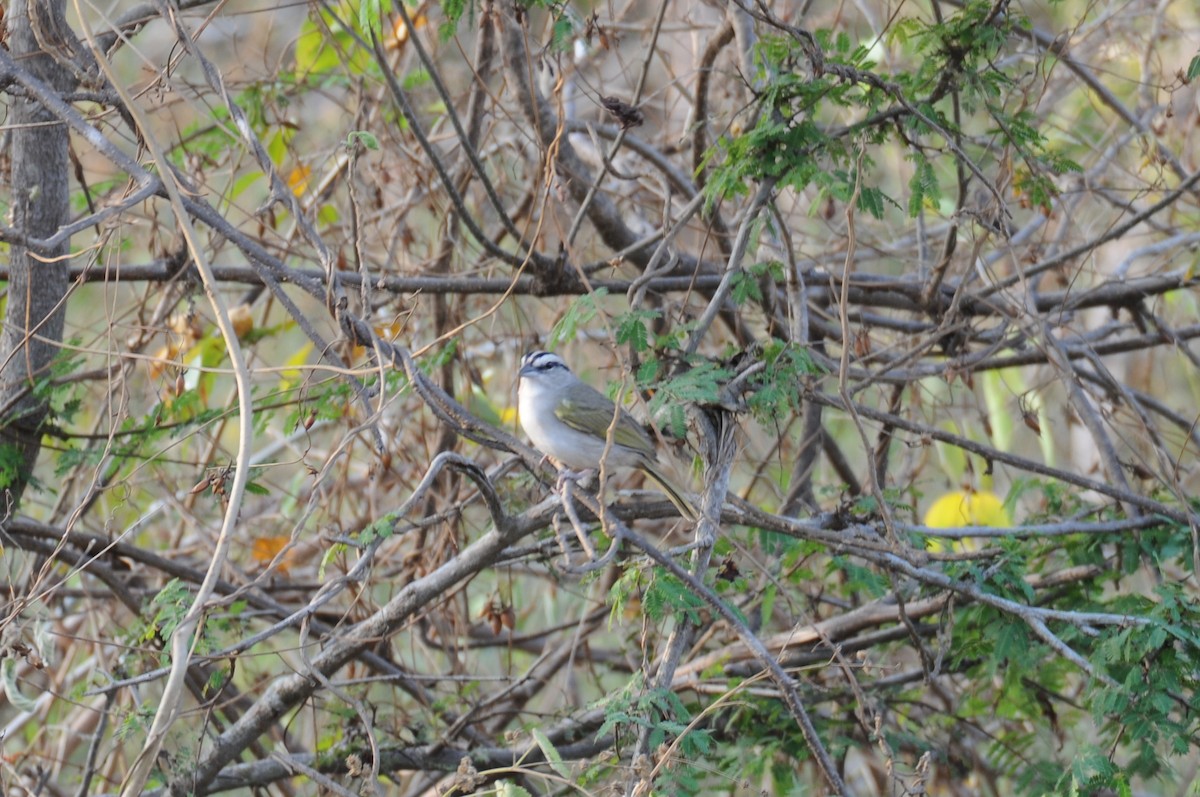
{"type": "Point", "coordinates": [744, 287]}
{"type": "Point", "coordinates": [871, 200]}
{"type": "Point", "coordinates": [335, 550]}
{"type": "Point", "coordinates": [453, 9]}
{"type": "Point", "coordinates": [11, 462]}
{"type": "Point", "coordinates": [700, 384]}
{"type": "Point", "coordinates": [648, 371]}
{"type": "Point", "coordinates": [562, 33]}
{"type": "Point", "coordinates": [381, 529]}
{"type": "Point", "coordinates": [1193, 70]}
{"type": "Point", "coordinates": [369, 16]}
{"type": "Point", "coordinates": [551, 752]}
{"type": "Point", "coordinates": [777, 387]}
{"type": "Point", "coordinates": [666, 593]}
{"type": "Point", "coordinates": [631, 329]}
{"type": "Point", "coordinates": [923, 186]}
{"type": "Point", "coordinates": [901, 30]}
{"type": "Point", "coordinates": [580, 312]}
{"type": "Point", "coordinates": [167, 608]}
{"type": "Point", "coordinates": [362, 137]}
{"type": "Point", "coordinates": [506, 788]}
{"type": "Point", "coordinates": [768, 602]}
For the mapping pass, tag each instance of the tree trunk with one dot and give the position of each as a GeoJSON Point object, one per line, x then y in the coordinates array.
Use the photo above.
{"type": "Point", "coordinates": [33, 318]}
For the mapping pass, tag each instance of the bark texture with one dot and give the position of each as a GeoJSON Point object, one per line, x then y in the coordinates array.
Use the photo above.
{"type": "Point", "coordinates": [34, 312]}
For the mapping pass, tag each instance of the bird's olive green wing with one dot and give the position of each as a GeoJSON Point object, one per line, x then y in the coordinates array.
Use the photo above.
{"type": "Point", "coordinates": [593, 417]}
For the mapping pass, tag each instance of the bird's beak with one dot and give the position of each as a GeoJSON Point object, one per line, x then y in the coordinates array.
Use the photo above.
{"type": "Point", "coordinates": [528, 369]}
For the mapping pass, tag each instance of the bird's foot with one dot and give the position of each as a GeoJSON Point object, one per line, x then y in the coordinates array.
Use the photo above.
{"type": "Point", "coordinates": [567, 475]}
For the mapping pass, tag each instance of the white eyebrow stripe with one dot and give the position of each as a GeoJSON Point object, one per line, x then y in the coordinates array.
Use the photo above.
{"type": "Point", "coordinates": [542, 360]}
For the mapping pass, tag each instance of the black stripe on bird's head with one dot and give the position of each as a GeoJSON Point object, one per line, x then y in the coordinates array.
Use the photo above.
{"type": "Point", "coordinates": [542, 362]}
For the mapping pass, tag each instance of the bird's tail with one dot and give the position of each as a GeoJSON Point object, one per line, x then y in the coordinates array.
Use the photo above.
{"type": "Point", "coordinates": [674, 493]}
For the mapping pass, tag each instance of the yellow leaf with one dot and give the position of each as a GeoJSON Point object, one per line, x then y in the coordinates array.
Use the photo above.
{"type": "Point", "coordinates": [161, 358]}
{"type": "Point", "coordinates": [265, 549]}
{"type": "Point", "coordinates": [968, 508]}
{"type": "Point", "coordinates": [297, 179]}
{"type": "Point", "coordinates": [400, 30]}
{"type": "Point", "coordinates": [292, 375]}
{"type": "Point", "coordinates": [388, 332]}
{"type": "Point", "coordinates": [965, 508]}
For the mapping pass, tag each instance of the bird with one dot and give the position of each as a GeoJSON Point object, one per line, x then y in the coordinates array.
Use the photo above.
{"type": "Point", "coordinates": [568, 420]}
